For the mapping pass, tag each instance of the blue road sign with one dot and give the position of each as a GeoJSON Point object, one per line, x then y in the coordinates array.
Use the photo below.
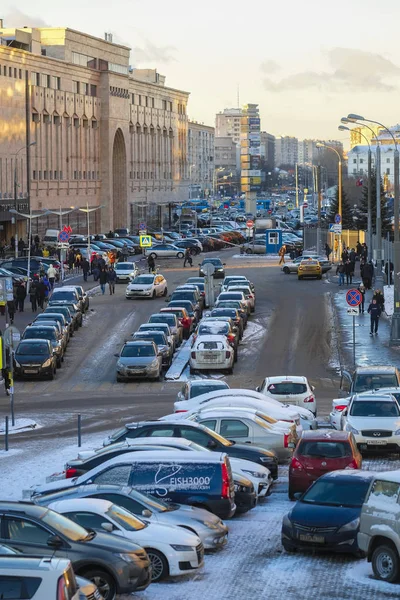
{"type": "Point", "coordinates": [142, 227]}
{"type": "Point", "coordinates": [63, 236]}
{"type": "Point", "coordinates": [338, 219]}
{"type": "Point", "coordinates": [353, 297]}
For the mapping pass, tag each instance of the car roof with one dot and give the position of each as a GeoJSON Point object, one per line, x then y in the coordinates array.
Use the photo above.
{"type": "Point", "coordinates": [393, 476]}
{"type": "Point", "coordinates": [210, 338]}
{"type": "Point", "coordinates": [374, 369]}
{"type": "Point", "coordinates": [22, 507]}
{"type": "Point", "coordinates": [325, 435]}
{"type": "Point", "coordinates": [207, 382]}
{"type": "Point", "coordinates": [36, 340]}
{"type": "Point", "coordinates": [288, 378]}
{"type": "Point", "coordinates": [351, 474]}
{"type": "Point", "coordinates": [167, 455]}
{"type": "Point", "coordinates": [374, 397]}
{"type": "Point", "coordinates": [96, 505]}
{"type": "Point", "coordinates": [139, 342]}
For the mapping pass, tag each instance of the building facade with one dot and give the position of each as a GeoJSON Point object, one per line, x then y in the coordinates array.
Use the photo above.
{"type": "Point", "coordinates": [358, 134]}
{"type": "Point", "coordinates": [227, 124]}
{"type": "Point", "coordinates": [250, 154]}
{"type": "Point", "coordinates": [227, 167]}
{"type": "Point", "coordinates": [200, 159]}
{"type": "Point", "coordinates": [286, 151]}
{"type": "Point", "coordinates": [100, 134]}
{"type": "Point", "coordinates": [268, 148]}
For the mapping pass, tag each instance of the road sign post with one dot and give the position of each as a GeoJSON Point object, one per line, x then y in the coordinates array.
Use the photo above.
{"type": "Point", "coordinates": [353, 299]}
{"type": "Point", "coordinates": [145, 241]}
{"type": "Point", "coordinates": [209, 271]}
{"type": "Point", "coordinates": [11, 337]}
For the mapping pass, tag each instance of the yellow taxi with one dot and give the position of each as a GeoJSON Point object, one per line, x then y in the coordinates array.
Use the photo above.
{"type": "Point", "coordinates": [309, 267]}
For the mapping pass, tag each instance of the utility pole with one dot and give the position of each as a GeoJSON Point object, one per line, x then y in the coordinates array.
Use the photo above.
{"type": "Point", "coordinates": [378, 215]}
{"type": "Point", "coordinates": [395, 328]}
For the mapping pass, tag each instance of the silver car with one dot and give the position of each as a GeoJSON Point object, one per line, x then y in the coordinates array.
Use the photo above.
{"type": "Point", "coordinates": [165, 251]}
{"type": "Point", "coordinates": [139, 360]}
{"type": "Point", "coordinates": [209, 528]}
{"type": "Point", "coordinates": [126, 271]}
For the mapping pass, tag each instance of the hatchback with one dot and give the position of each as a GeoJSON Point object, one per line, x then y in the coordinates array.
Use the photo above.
{"type": "Point", "coordinates": [35, 358]}
{"type": "Point", "coordinates": [290, 390]}
{"type": "Point", "coordinates": [319, 452]}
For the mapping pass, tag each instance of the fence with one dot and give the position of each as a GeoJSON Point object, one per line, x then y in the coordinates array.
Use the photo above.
{"type": "Point", "coordinates": [349, 239]}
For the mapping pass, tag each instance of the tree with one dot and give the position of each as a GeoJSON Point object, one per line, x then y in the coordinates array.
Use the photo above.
{"type": "Point", "coordinates": [362, 222]}
{"type": "Point", "coordinates": [347, 214]}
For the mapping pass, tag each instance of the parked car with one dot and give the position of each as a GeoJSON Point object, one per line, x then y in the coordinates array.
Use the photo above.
{"type": "Point", "coordinates": [327, 515]}
{"type": "Point", "coordinates": [290, 389]}
{"type": "Point", "coordinates": [366, 379]}
{"type": "Point", "coordinates": [139, 359]}
{"type": "Point", "coordinates": [219, 271]}
{"type": "Point", "coordinates": [74, 309]}
{"type": "Point", "coordinates": [39, 331]}
{"type": "Point", "coordinates": [231, 313]}
{"type": "Point", "coordinates": [197, 387]}
{"type": "Point", "coordinates": [169, 318]}
{"type": "Point", "coordinates": [249, 295]}
{"type": "Point", "coordinates": [49, 317]}
{"type": "Point", "coordinates": [208, 527]}
{"type": "Point", "coordinates": [239, 305]}
{"type": "Point", "coordinates": [235, 296]}
{"type": "Point", "coordinates": [184, 320]}
{"type": "Point", "coordinates": [171, 550]}
{"type": "Point", "coordinates": [126, 271]}
{"type": "Point", "coordinates": [192, 296]}
{"type": "Point", "coordinates": [319, 452]}
{"type": "Point", "coordinates": [35, 358]}
{"type": "Point", "coordinates": [67, 294]}
{"type": "Point", "coordinates": [190, 310]}
{"type": "Point", "coordinates": [117, 566]}
{"type": "Point", "coordinates": [163, 346]}
{"type": "Point", "coordinates": [83, 296]}
{"type": "Point", "coordinates": [162, 328]}
{"type": "Point", "coordinates": [147, 286]}
{"type": "Point", "coordinates": [212, 352]}
{"type": "Point", "coordinates": [229, 279]}
{"type": "Point", "coordinates": [379, 533]}
{"type": "Point", "coordinates": [63, 310]}
{"type": "Point", "coordinates": [218, 326]}
{"type": "Point", "coordinates": [165, 251]}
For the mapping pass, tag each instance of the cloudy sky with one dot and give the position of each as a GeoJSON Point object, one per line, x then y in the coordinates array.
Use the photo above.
{"type": "Point", "coordinates": [305, 64]}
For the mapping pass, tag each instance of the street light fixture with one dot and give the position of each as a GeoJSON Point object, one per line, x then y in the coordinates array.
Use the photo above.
{"type": "Point", "coordinates": [320, 145]}
{"type": "Point", "coordinates": [88, 210]}
{"type": "Point", "coordinates": [15, 192]}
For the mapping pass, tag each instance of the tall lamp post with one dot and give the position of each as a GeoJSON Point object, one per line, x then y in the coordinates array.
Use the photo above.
{"type": "Point", "coordinates": [369, 204]}
{"type": "Point", "coordinates": [15, 193]}
{"type": "Point", "coordinates": [88, 210]}
{"type": "Point", "coordinates": [320, 145]}
{"type": "Point", "coordinates": [60, 214]}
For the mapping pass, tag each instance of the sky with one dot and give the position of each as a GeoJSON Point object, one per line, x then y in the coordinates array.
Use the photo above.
{"type": "Point", "coordinates": [304, 63]}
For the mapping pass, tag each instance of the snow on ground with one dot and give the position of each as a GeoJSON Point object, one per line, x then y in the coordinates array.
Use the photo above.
{"type": "Point", "coordinates": [257, 256]}
{"type": "Point", "coordinates": [20, 426]}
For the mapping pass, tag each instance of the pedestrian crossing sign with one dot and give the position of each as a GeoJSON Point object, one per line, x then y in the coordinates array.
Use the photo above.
{"type": "Point", "coordinates": [145, 241]}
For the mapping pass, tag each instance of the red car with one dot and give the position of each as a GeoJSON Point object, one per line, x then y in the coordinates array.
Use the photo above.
{"type": "Point", "coordinates": [319, 452]}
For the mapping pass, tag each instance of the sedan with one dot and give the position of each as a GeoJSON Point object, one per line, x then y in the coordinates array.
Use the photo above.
{"type": "Point", "coordinates": [197, 387]}
{"type": "Point", "coordinates": [126, 271]}
{"type": "Point", "coordinates": [159, 338]}
{"type": "Point", "coordinates": [147, 286]}
{"type": "Point", "coordinates": [45, 331]}
{"type": "Point", "coordinates": [219, 271]}
{"type": "Point", "coordinates": [171, 550]}
{"type": "Point", "coordinates": [212, 352]}
{"type": "Point", "coordinates": [165, 251]}
{"type": "Point", "coordinates": [293, 265]}
{"type": "Point", "coordinates": [35, 358]}
{"type": "Point", "coordinates": [139, 359]}
{"type": "Point", "coordinates": [170, 319]}
{"type": "Point", "coordinates": [327, 516]}
{"type": "Point", "coordinates": [309, 268]}
{"type": "Point", "coordinates": [210, 326]}
{"type": "Point", "coordinates": [162, 327]}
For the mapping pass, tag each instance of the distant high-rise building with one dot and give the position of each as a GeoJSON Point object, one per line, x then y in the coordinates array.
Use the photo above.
{"type": "Point", "coordinates": [227, 124]}
{"type": "Point", "coordinates": [358, 134]}
{"type": "Point", "coordinates": [286, 151]}
{"type": "Point", "coordinates": [307, 151]}
{"type": "Point", "coordinates": [200, 159]}
{"type": "Point", "coordinates": [268, 148]}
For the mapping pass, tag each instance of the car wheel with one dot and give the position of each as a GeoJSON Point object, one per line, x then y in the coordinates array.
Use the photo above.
{"type": "Point", "coordinates": [105, 583]}
{"type": "Point", "coordinates": [286, 270]}
{"type": "Point", "coordinates": [291, 494]}
{"type": "Point", "coordinates": [159, 565]}
{"type": "Point", "coordinates": [59, 361]}
{"type": "Point", "coordinates": [385, 563]}
{"type": "Point", "coordinates": [299, 278]}
{"type": "Point", "coordinates": [154, 294]}
{"type": "Point", "coordinates": [249, 251]}
{"type": "Point", "coordinates": [52, 375]}
{"type": "Point", "coordinates": [180, 255]}
{"type": "Point", "coordinates": [165, 293]}
{"type": "Point", "coordinates": [319, 277]}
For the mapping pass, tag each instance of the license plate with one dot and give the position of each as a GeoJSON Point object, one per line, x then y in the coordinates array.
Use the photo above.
{"type": "Point", "coordinates": [376, 442]}
{"type": "Point", "coordinates": [209, 355]}
{"type": "Point", "coordinates": [31, 371]}
{"type": "Point", "coordinates": [317, 539]}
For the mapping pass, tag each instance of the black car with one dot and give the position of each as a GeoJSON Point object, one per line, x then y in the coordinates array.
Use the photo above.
{"type": "Point", "coordinates": [219, 271]}
{"type": "Point", "coordinates": [188, 243]}
{"type": "Point", "coordinates": [35, 358]}
{"type": "Point", "coordinates": [63, 310]}
{"type": "Point", "coordinates": [116, 565]}
{"type": "Point", "coordinates": [192, 296]}
{"type": "Point", "coordinates": [46, 331]}
{"type": "Point", "coordinates": [190, 309]}
{"type": "Point", "coordinates": [245, 494]}
{"type": "Point", "coordinates": [74, 310]}
{"type": "Point", "coordinates": [327, 515]}
{"type": "Point", "coordinates": [199, 434]}
{"type": "Point", "coordinates": [233, 314]}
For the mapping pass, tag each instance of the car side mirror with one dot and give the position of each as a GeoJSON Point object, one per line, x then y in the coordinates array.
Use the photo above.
{"type": "Point", "coordinates": [180, 396]}
{"type": "Point", "coordinates": [224, 264]}
{"type": "Point", "coordinates": [146, 513]}
{"type": "Point", "coordinates": [297, 495]}
{"type": "Point", "coordinates": [107, 527]}
{"type": "Point", "coordinates": [54, 541]}
{"type": "Point", "coordinates": [258, 388]}
{"type": "Point", "coordinates": [313, 387]}
{"type": "Point", "coordinates": [344, 412]}
{"type": "Point", "coordinates": [117, 355]}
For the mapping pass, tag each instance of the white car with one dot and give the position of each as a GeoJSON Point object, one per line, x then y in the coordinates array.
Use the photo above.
{"type": "Point", "coordinates": [238, 296]}
{"type": "Point", "coordinates": [212, 353]}
{"type": "Point", "coordinates": [340, 404]}
{"type": "Point", "coordinates": [293, 389]}
{"type": "Point", "coordinates": [147, 286]}
{"type": "Point", "coordinates": [165, 251]}
{"type": "Point", "coordinates": [229, 278]}
{"type": "Point", "coordinates": [171, 550]}
{"type": "Point", "coordinates": [198, 387]}
{"type": "Point", "coordinates": [374, 420]}
{"type": "Point", "coordinates": [245, 288]}
{"type": "Point", "coordinates": [126, 271]}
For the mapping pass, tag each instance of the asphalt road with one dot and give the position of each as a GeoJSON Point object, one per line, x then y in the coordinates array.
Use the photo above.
{"type": "Point", "coordinates": [290, 333]}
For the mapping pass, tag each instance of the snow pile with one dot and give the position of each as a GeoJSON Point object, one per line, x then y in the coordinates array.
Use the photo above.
{"type": "Point", "coordinates": [20, 426]}
{"type": "Point", "coordinates": [257, 256]}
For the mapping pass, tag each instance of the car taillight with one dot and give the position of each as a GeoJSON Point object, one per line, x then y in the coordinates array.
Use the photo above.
{"type": "Point", "coordinates": [180, 411]}
{"type": "Point", "coordinates": [225, 482]}
{"type": "Point", "coordinates": [193, 354]}
{"type": "Point", "coordinates": [70, 472]}
{"type": "Point", "coordinates": [61, 589]}
{"type": "Point", "coordinates": [340, 407]}
{"type": "Point", "coordinates": [309, 399]}
{"type": "Point", "coordinates": [296, 464]}
{"type": "Point", "coordinates": [352, 465]}
{"type": "Point", "coordinates": [231, 337]}
{"type": "Point", "coordinates": [227, 354]}
{"type": "Point", "coordinates": [250, 296]}
{"type": "Point", "coordinates": [286, 440]}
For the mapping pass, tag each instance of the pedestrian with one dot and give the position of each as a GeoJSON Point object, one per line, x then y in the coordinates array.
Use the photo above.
{"type": "Point", "coordinates": [85, 268]}
{"type": "Point", "coordinates": [103, 280]}
{"type": "Point", "coordinates": [368, 274]}
{"type": "Point", "coordinates": [47, 287]}
{"type": "Point", "coordinates": [151, 263]}
{"type": "Point", "coordinates": [364, 252]}
{"type": "Point", "coordinates": [78, 260]}
{"type": "Point", "coordinates": [359, 249]}
{"type": "Point", "coordinates": [361, 289]}
{"type": "Point", "coordinates": [353, 257]}
{"type": "Point", "coordinates": [41, 292]}
{"type": "Point", "coordinates": [380, 299]}
{"type": "Point", "coordinates": [51, 274]}
{"type": "Point", "coordinates": [125, 252]}
{"type": "Point", "coordinates": [340, 270]}
{"type": "Point", "coordinates": [20, 295]}
{"type": "Point", "coordinates": [33, 295]}
{"type": "Point", "coordinates": [375, 311]}
{"type": "Point", "coordinates": [2, 250]}
{"type": "Point", "coordinates": [11, 310]}
{"type": "Point", "coordinates": [345, 255]}
{"type": "Point", "coordinates": [21, 247]}
{"type": "Point", "coordinates": [7, 380]}
{"type": "Point", "coordinates": [187, 257]}
{"type": "Point", "coordinates": [389, 268]}
{"type": "Point", "coordinates": [111, 278]}
{"type": "Point", "coordinates": [282, 252]}
{"type": "Point", "coordinates": [328, 250]}
{"type": "Point", "coordinates": [12, 243]}
{"type": "Point", "coordinates": [349, 271]}
{"type": "Point", "coordinates": [36, 241]}
{"type": "Point", "coordinates": [46, 252]}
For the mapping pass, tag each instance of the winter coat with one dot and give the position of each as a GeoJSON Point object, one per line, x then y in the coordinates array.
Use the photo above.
{"type": "Point", "coordinates": [111, 276]}
{"type": "Point", "coordinates": [51, 273]}
{"type": "Point", "coordinates": [349, 268]}
{"type": "Point", "coordinates": [20, 292]}
{"type": "Point", "coordinates": [380, 299]}
{"type": "Point", "coordinates": [340, 269]}
{"type": "Point", "coordinates": [374, 310]}
{"type": "Point", "coordinates": [103, 277]}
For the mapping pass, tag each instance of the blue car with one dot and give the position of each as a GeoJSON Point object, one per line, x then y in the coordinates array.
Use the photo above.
{"type": "Point", "coordinates": [327, 516]}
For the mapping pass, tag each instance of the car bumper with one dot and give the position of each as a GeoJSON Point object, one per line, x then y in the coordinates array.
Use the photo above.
{"type": "Point", "coordinates": [245, 501]}
{"type": "Point", "coordinates": [139, 294]}
{"type": "Point", "coordinates": [32, 372]}
{"type": "Point", "coordinates": [333, 542]}
{"type": "Point", "coordinates": [213, 539]}
{"type": "Point", "coordinates": [181, 563]}
{"type": "Point", "coordinates": [301, 483]}
{"type": "Point", "coordinates": [334, 420]}
{"type": "Point", "coordinates": [370, 444]}
{"type": "Point", "coordinates": [139, 374]}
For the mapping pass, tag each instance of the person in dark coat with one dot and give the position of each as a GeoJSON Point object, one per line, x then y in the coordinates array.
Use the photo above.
{"type": "Point", "coordinates": [340, 270]}
{"type": "Point", "coordinates": [349, 271]}
{"type": "Point", "coordinates": [328, 250]}
{"type": "Point", "coordinates": [85, 268]}
{"type": "Point", "coordinates": [41, 293]}
{"type": "Point", "coordinates": [345, 255]}
{"type": "Point", "coordinates": [353, 256]}
{"type": "Point", "coordinates": [389, 268]}
{"type": "Point", "coordinates": [20, 295]}
{"type": "Point", "coordinates": [21, 247]}
{"type": "Point", "coordinates": [111, 278]}
{"type": "Point", "coordinates": [368, 274]}
{"type": "Point", "coordinates": [187, 258]}
{"type": "Point", "coordinates": [11, 310]}
{"type": "Point", "coordinates": [359, 249]}
{"type": "Point", "coordinates": [375, 311]}
{"type": "Point", "coordinates": [151, 263]}
{"type": "Point", "coordinates": [361, 289]}
{"type": "Point", "coordinates": [33, 295]}
{"type": "Point", "coordinates": [103, 280]}
{"type": "Point", "coordinates": [380, 299]}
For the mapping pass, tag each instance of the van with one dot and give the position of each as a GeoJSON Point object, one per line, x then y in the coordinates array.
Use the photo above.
{"type": "Point", "coordinates": [202, 479]}
{"type": "Point", "coordinates": [51, 237]}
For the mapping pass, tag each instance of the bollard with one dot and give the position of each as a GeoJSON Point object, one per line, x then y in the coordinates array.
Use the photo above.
{"type": "Point", "coordinates": [79, 431]}
{"type": "Point", "coordinates": [6, 436]}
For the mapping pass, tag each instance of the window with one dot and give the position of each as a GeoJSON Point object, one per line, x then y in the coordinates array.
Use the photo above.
{"type": "Point", "coordinates": [76, 122]}
{"type": "Point", "coordinates": [170, 106]}
{"type": "Point", "coordinates": [385, 491]}
{"type": "Point", "coordinates": [86, 519]}
{"type": "Point", "coordinates": [361, 161]}
{"type": "Point", "coordinates": [21, 530]}
{"type": "Point", "coordinates": [85, 89]}
{"type": "Point", "coordinates": [233, 428]}
{"type": "Point", "coordinates": [114, 476]}
{"type": "Point", "coordinates": [152, 103]}
{"type": "Point", "coordinates": [165, 432]}
{"type": "Point", "coordinates": [388, 171]}
{"type": "Point", "coordinates": [210, 423]}
{"type": "Point", "coordinates": [44, 174]}
{"type": "Point", "coordinates": [34, 175]}
{"type": "Point", "coordinates": [133, 98]}
{"type": "Point", "coordinates": [388, 160]}
{"type": "Point", "coordinates": [118, 68]}
{"type": "Point", "coordinates": [128, 503]}
{"type": "Point", "coordinates": [354, 171]}
{"type": "Point", "coordinates": [57, 120]}
{"type": "Point", "coordinates": [164, 105]}
{"type": "Point", "coordinates": [354, 161]}
{"type": "Point", "coordinates": [35, 117]}
{"type": "Point", "coordinates": [57, 83]}
{"type": "Point", "coordinates": [46, 119]}
{"type": "Point", "coordinates": [75, 87]}
{"type": "Point", "coordinates": [93, 90]}
{"type": "Point", "coordinates": [195, 435]}
{"type": "Point", "coordinates": [140, 100]}
{"type": "Point", "coordinates": [84, 60]}
{"type": "Point", "coordinates": [18, 588]}
{"type": "Point", "coordinates": [9, 71]}
{"type": "Point", "coordinates": [5, 71]}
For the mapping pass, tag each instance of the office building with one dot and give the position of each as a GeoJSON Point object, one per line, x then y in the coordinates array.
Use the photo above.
{"type": "Point", "coordinates": [200, 159]}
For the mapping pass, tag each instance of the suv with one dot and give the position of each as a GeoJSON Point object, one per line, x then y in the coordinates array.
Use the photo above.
{"type": "Point", "coordinates": [37, 578]}
{"type": "Point", "coordinates": [367, 379]}
{"type": "Point", "coordinates": [116, 565]}
{"type": "Point", "coordinates": [379, 534]}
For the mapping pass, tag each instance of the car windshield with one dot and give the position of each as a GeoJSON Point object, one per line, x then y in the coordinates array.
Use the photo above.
{"type": "Point", "coordinates": [231, 296]}
{"type": "Point", "coordinates": [287, 388]}
{"type": "Point", "coordinates": [147, 279]}
{"type": "Point", "coordinates": [371, 408]}
{"type": "Point", "coordinates": [62, 310]}
{"type": "Point", "coordinates": [168, 319]}
{"type": "Point", "coordinates": [212, 345]}
{"type": "Point", "coordinates": [364, 383]}
{"type": "Point", "coordinates": [37, 349]}
{"type": "Point", "coordinates": [158, 338]}
{"type": "Point", "coordinates": [183, 295]}
{"type": "Point", "coordinates": [214, 328]}
{"type": "Point", "coordinates": [124, 518]}
{"type": "Point", "coordinates": [325, 449]}
{"type": "Point", "coordinates": [124, 267]}
{"type": "Point", "coordinates": [32, 333]}
{"type": "Point", "coordinates": [213, 261]}
{"type": "Point", "coordinates": [337, 492]}
{"type": "Point", "coordinates": [136, 351]}
{"type": "Point", "coordinates": [65, 526]}
{"type": "Point", "coordinates": [63, 295]}
{"type": "Point", "coordinates": [199, 390]}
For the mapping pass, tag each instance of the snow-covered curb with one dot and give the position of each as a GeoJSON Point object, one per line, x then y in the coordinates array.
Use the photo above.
{"type": "Point", "coordinates": [257, 256]}
{"type": "Point", "coordinates": [21, 425]}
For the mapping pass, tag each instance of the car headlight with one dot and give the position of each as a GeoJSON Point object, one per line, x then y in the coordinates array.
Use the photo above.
{"type": "Point", "coordinates": [181, 548]}
{"type": "Point", "coordinates": [352, 429]}
{"type": "Point", "coordinates": [397, 432]}
{"type": "Point", "coordinates": [255, 474]}
{"type": "Point", "coordinates": [286, 521]}
{"type": "Point", "coordinates": [126, 557]}
{"type": "Point", "coordinates": [265, 459]}
{"type": "Point", "coordinates": [17, 363]}
{"type": "Point", "coordinates": [154, 363]}
{"type": "Point", "coordinates": [120, 365]}
{"type": "Point", "coordinates": [352, 526]}
{"type": "Point", "coordinates": [47, 363]}
{"type": "Point", "coordinates": [210, 525]}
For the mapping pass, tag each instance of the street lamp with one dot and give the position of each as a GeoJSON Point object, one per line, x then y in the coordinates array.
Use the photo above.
{"type": "Point", "coordinates": [30, 217]}
{"type": "Point", "coordinates": [61, 213]}
{"type": "Point", "coordinates": [88, 210]}
{"type": "Point", "coordinates": [15, 192]}
{"type": "Point", "coordinates": [369, 205]}
{"type": "Point", "coordinates": [320, 145]}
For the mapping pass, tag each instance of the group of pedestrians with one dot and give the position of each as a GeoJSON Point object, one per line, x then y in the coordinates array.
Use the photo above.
{"type": "Point", "coordinates": [39, 292]}
{"type": "Point", "coordinates": [107, 275]}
